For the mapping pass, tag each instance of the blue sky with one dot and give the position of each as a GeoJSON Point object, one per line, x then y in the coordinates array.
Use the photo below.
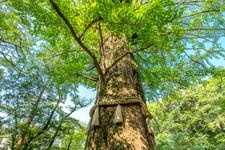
{"type": "Point", "coordinates": [83, 113]}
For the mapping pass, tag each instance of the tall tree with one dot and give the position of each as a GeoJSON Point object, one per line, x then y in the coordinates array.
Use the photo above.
{"type": "Point", "coordinates": [121, 45]}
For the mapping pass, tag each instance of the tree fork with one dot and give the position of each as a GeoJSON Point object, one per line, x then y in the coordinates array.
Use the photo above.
{"type": "Point", "coordinates": [77, 38]}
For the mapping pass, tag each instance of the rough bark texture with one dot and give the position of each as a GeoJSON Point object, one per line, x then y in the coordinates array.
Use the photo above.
{"type": "Point", "coordinates": [121, 82]}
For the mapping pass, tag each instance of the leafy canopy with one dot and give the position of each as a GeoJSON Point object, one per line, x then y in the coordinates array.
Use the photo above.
{"type": "Point", "coordinates": [176, 39]}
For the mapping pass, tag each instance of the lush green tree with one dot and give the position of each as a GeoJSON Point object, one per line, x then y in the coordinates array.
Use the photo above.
{"type": "Point", "coordinates": [30, 97]}
{"type": "Point", "coordinates": [31, 102]}
{"type": "Point", "coordinates": [72, 136]}
{"type": "Point", "coordinates": [31, 105]}
{"type": "Point", "coordinates": [191, 118]}
{"type": "Point", "coordinates": [119, 45]}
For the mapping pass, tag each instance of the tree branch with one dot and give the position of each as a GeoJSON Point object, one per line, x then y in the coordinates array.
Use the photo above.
{"type": "Point", "coordinates": [201, 12]}
{"type": "Point", "coordinates": [206, 29]}
{"type": "Point", "coordinates": [144, 48]}
{"type": "Point", "coordinates": [202, 37]}
{"type": "Point", "coordinates": [101, 38]}
{"type": "Point", "coordinates": [77, 39]}
{"type": "Point", "coordinates": [6, 42]}
{"type": "Point", "coordinates": [195, 61]}
{"type": "Point", "coordinates": [125, 54]}
{"type": "Point", "coordinates": [87, 77]}
{"type": "Point", "coordinates": [116, 61]}
{"type": "Point", "coordinates": [89, 25]}
{"type": "Point", "coordinates": [45, 127]}
{"type": "Point", "coordinates": [3, 1]}
{"type": "Point", "coordinates": [101, 47]}
{"type": "Point", "coordinates": [197, 3]}
{"type": "Point", "coordinates": [30, 117]}
{"type": "Point", "coordinates": [59, 54]}
{"type": "Point", "coordinates": [35, 107]}
{"type": "Point", "coordinates": [11, 62]}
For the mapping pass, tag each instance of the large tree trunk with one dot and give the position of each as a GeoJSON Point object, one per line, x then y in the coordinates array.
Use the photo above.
{"type": "Point", "coordinates": [121, 83]}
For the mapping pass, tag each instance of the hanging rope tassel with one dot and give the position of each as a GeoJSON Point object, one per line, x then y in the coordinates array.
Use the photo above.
{"type": "Point", "coordinates": [118, 117]}
{"type": "Point", "coordinates": [95, 119]}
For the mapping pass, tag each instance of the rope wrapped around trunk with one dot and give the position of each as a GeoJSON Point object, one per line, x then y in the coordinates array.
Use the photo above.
{"type": "Point", "coordinates": [123, 101]}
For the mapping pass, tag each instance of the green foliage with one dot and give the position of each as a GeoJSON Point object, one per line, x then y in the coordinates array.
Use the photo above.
{"type": "Point", "coordinates": [23, 75]}
{"type": "Point", "coordinates": [184, 37]}
{"type": "Point", "coordinates": [177, 41]}
{"type": "Point", "coordinates": [191, 118]}
{"type": "Point", "coordinates": [74, 137]}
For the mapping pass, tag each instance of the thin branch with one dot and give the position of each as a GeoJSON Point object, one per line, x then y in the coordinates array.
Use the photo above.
{"type": "Point", "coordinates": [125, 54]}
{"type": "Point", "coordinates": [62, 53]}
{"type": "Point", "coordinates": [87, 77]}
{"type": "Point", "coordinates": [201, 12]}
{"type": "Point", "coordinates": [6, 42]}
{"type": "Point", "coordinates": [140, 57]}
{"type": "Point", "coordinates": [31, 117]}
{"type": "Point", "coordinates": [194, 49]}
{"type": "Point", "coordinates": [195, 61]}
{"type": "Point", "coordinates": [3, 1]}
{"type": "Point", "coordinates": [101, 38]}
{"type": "Point", "coordinates": [77, 39]}
{"type": "Point", "coordinates": [199, 37]}
{"type": "Point", "coordinates": [39, 98]}
{"type": "Point", "coordinates": [45, 127]}
{"type": "Point", "coordinates": [78, 74]}
{"type": "Point", "coordinates": [202, 37]}
{"type": "Point", "coordinates": [90, 68]}
{"type": "Point", "coordinates": [144, 48]}
{"type": "Point", "coordinates": [70, 141]}
{"type": "Point", "coordinates": [11, 62]}
{"type": "Point", "coordinates": [197, 3]}
{"type": "Point", "coordinates": [105, 40]}
{"type": "Point", "coordinates": [101, 46]}
{"type": "Point", "coordinates": [207, 29]}
{"type": "Point", "coordinates": [89, 25]}
{"type": "Point", "coordinates": [74, 109]}
{"type": "Point", "coordinates": [116, 61]}
{"type": "Point", "coordinates": [16, 47]}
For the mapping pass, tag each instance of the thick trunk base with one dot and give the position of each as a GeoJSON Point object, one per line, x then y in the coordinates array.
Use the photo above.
{"type": "Point", "coordinates": [132, 134]}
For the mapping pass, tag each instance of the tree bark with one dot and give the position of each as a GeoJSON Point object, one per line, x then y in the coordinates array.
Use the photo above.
{"type": "Point", "coordinates": [121, 82]}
